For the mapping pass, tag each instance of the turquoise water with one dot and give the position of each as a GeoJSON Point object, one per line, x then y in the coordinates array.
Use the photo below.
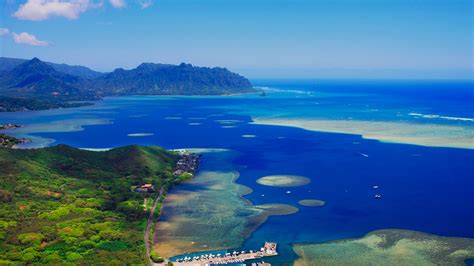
{"type": "Point", "coordinates": [423, 188]}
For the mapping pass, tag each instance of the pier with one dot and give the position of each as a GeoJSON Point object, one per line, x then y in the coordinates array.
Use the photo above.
{"type": "Point", "coordinates": [269, 249]}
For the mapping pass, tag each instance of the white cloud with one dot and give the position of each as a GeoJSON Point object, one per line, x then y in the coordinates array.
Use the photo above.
{"type": "Point", "coordinates": [117, 3]}
{"type": "Point", "coordinates": [44, 9]}
{"type": "Point", "coordinates": [4, 31]}
{"type": "Point", "coordinates": [145, 3]}
{"type": "Point", "coordinates": [30, 39]}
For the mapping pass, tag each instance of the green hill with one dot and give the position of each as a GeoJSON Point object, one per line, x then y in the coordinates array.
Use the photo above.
{"type": "Point", "coordinates": [61, 205]}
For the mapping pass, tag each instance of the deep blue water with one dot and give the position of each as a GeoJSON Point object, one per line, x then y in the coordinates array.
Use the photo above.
{"type": "Point", "coordinates": [427, 189]}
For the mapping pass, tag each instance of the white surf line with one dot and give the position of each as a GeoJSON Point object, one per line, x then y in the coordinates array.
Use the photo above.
{"type": "Point", "coordinates": [442, 117]}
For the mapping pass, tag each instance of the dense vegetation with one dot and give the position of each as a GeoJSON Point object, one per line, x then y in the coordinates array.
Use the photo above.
{"type": "Point", "coordinates": [61, 205]}
{"type": "Point", "coordinates": [42, 85]}
{"type": "Point", "coordinates": [183, 79]}
{"type": "Point", "coordinates": [35, 79]}
{"type": "Point", "coordinates": [12, 104]}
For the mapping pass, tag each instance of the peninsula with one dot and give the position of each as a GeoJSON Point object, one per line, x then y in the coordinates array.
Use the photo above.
{"type": "Point", "coordinates": [36, 85]}
{"type": "Point", "coordinates": [62, 205]}
{"type": "Point", "coordinates": [9, 141]}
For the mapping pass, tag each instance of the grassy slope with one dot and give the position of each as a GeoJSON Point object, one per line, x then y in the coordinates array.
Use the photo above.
{"type": "Point", "coordinates": [64, 205]}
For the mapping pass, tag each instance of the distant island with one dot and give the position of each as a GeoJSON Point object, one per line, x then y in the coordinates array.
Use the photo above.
{"type": "Point", "coordinates": [37, 85]}
{"type": "Point", "coordinates": [62, 205]}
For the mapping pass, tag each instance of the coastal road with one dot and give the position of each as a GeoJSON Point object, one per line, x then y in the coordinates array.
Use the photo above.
{"type": "Point", "coordinates": [149, 224]}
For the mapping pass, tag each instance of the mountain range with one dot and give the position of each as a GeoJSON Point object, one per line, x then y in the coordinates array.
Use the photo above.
{"type": "Point", "coordinates": [35, 80]}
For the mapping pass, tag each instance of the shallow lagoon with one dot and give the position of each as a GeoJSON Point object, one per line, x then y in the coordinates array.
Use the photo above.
{"type": "Point", "coordinates": [208, 212]}
{"type": "Point", "coordinates": [388, 247]}
{"type": "Point", "coordinates": [410, 177]}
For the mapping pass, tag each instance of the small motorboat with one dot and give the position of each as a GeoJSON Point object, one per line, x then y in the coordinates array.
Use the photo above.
{"type": "Point", "coordinates": [378, 196]}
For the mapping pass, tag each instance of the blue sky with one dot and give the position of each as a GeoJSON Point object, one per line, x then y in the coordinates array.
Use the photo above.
{"type": "Point", "coordinates": [258, 38]}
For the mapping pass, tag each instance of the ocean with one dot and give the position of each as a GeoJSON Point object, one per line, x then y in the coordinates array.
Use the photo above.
{"type": "Point", "coordinates": [411, 142]}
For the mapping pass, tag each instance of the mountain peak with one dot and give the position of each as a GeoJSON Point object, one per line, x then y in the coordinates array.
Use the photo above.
{"type": "Point", "coordinates": [7, 64]}
{"type": "Point", "coordinates": [38, 78]}
{"type": "Point", "coordinates": [184, 65]}
{"type": "Point", "coordinates": [34, 65]}
{"type": "Point", "coordinates": [146, 66]}
{"type": "Point", "coordinates": [151, 66]}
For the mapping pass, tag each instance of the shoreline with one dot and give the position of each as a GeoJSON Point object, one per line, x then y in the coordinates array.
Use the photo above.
{"type": "Point", "coordinates": [258, 215]}
{"type": "Point", "coordinates": [88, 103]}
{"type": "Point", "coordinates": [28, 131]}
{"type": "Point", "coordinates": [9, 141]}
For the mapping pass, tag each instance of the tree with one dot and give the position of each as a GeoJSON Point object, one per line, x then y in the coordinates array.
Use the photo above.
{"type": "Point", "coordinates": [155, 257]}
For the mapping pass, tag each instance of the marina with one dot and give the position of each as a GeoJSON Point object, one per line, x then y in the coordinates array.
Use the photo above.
{"type": "Point", "coordinates": [268, 249]}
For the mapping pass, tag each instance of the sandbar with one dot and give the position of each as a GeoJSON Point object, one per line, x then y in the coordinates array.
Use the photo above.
{"type": "Point", "coordinates": [283, 180]}
{"type": "Point", "coordinates": [435, 135]}
{"type": "Point", "coordinates": [311, 203]}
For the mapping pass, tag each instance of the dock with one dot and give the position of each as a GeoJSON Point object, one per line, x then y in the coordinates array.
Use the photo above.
{"type": "Point", "coordinates": [269, 249]}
